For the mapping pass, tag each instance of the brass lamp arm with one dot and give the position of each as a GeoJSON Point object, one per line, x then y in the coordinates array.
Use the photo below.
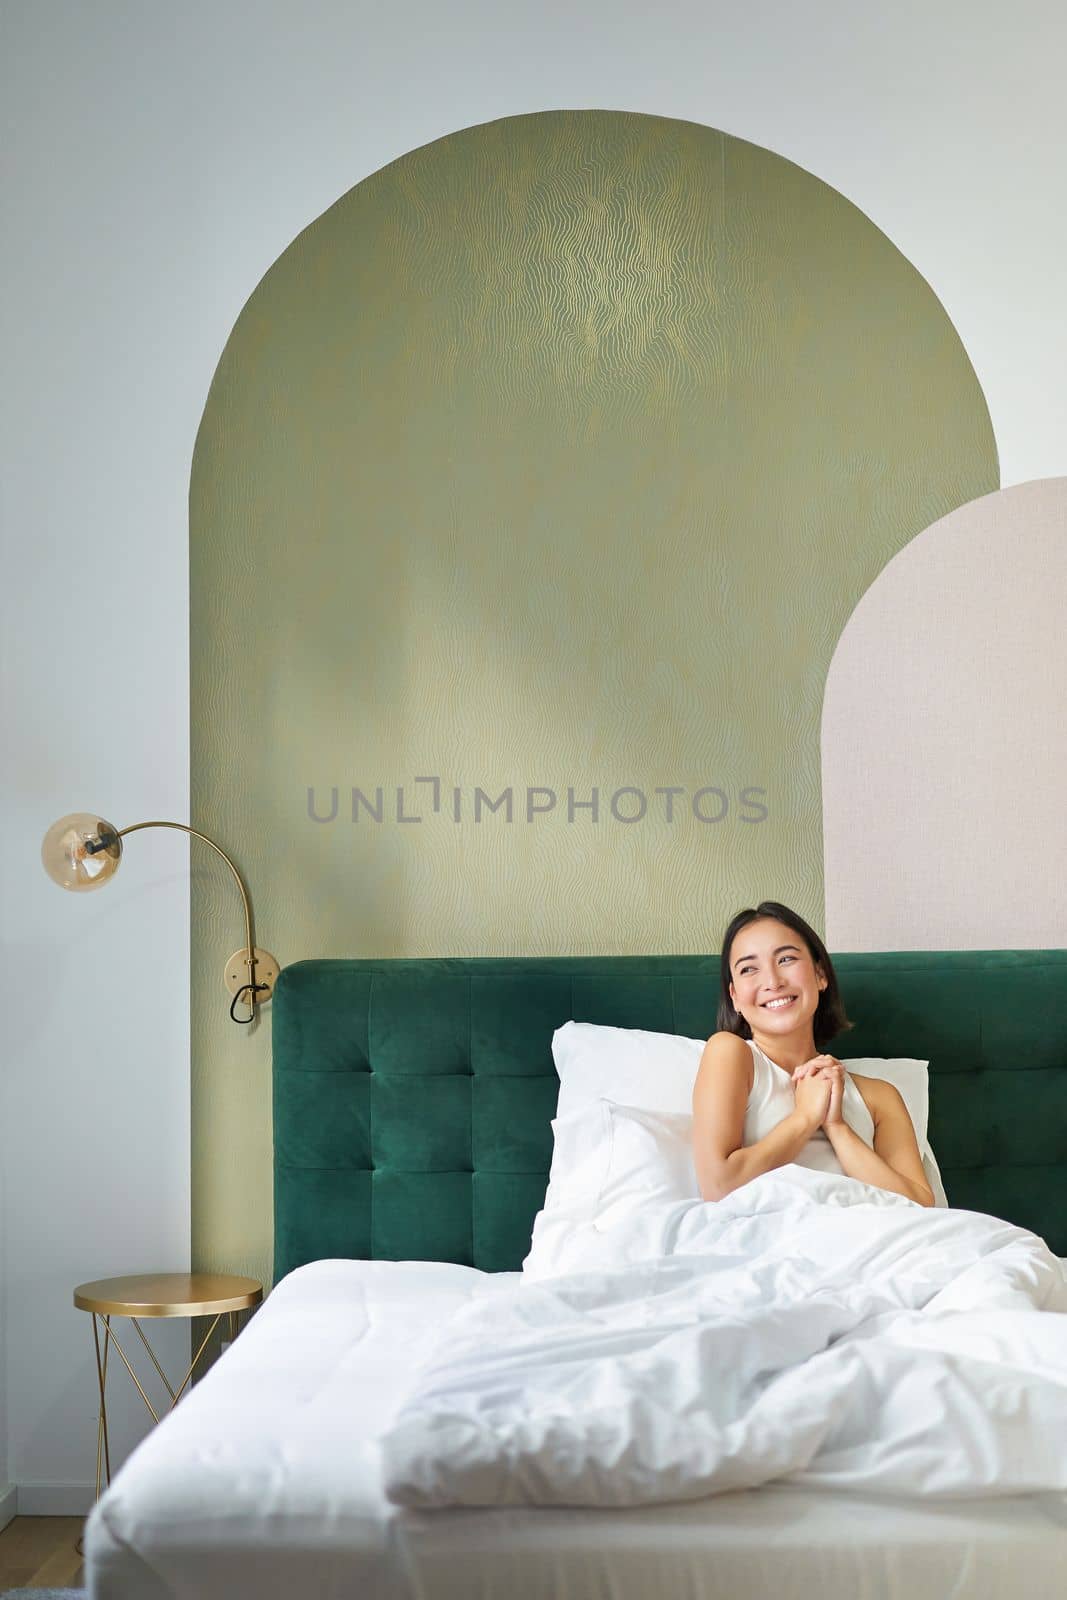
{"type": "Point", "coordinates": [181, 828]}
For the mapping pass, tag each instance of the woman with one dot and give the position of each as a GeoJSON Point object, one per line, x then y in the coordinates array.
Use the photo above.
{"type": "Point", "coordinates": [765, 1095]}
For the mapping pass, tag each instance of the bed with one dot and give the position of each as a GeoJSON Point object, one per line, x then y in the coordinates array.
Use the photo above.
{"type": "Point", "coordinates": [412, 1109]}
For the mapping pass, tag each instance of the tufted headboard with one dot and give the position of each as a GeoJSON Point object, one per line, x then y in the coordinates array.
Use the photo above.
{"type": "Point", "coordinates": [412, 1098]}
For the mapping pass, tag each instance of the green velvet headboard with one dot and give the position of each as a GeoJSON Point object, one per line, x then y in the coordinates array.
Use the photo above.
{"type": "Point", "coordinates": [412, 1098]}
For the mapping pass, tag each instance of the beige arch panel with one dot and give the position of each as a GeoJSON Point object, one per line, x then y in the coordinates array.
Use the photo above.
{"type": "Point", "coordinates": [944, 753]}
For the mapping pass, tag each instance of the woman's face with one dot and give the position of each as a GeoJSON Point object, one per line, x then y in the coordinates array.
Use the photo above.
{"type": "Point", "coordinates": [770, 962]}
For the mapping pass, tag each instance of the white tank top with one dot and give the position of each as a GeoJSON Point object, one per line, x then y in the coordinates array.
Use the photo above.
{"type": "Point", "coordinates": [772, 1099]}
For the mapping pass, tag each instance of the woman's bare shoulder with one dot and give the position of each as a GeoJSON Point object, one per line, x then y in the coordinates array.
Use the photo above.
{"type": "Point", "coordinates": [727, 1043]}
{"type": "Point", "coordinates": [728, 1050]}
{"type": "Point", "coordinates": [873, 1090]}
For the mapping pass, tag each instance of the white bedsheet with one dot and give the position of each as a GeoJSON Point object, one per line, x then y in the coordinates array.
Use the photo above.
{"type": "Point", "coordinates": [806, 1327]}
{"type": "Point", "coordinates": [266, 1483]}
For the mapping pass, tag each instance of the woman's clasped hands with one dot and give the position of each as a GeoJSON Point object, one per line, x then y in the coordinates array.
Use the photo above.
{"type": "Point", "coordinates": [818, 1088]}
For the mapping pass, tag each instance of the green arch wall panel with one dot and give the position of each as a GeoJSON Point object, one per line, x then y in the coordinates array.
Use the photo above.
{"type": "Point", "coordinates": [554, 455]}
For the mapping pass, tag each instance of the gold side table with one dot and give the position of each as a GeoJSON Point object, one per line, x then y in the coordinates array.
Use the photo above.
{"type": "Point", "coordinates": [158, 1294]}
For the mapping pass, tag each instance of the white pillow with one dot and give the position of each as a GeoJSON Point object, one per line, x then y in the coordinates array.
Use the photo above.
{"type": "Point", "coordinates": [580, 1152]}
{"type": "Point", "coordinates": [598, 1065]}
{"type": "Point", "coordinates": [628, 1156]}
{"type": "Point", "coordinates": [656, 1072]}
{"type": "Point", "coordinates": [650, 1157]}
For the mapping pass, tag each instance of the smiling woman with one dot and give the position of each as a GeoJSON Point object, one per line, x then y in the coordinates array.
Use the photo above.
{"type": "Point", "coordinates": [766, 1094]}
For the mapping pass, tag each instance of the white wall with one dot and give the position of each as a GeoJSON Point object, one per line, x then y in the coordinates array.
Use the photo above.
{"type": "Point", "coordinates": [157, 160]}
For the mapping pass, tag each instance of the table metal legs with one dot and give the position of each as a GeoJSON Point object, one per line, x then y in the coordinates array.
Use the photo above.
{"type": "Point", "coordinates": [103, 1453]}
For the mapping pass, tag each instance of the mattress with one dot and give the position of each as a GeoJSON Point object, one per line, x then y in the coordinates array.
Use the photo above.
{"type": "Point", "coordinates": [265, 1483]}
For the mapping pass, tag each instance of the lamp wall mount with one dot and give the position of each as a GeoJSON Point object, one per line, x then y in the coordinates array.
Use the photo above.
{"type": "Point", "coordinates": [240, 973]}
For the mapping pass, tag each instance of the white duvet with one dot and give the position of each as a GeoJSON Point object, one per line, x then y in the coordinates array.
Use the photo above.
{"type": "Point", "coordinates": [808, 1327]}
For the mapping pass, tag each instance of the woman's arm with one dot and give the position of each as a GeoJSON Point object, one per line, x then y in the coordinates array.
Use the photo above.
{"type": "Point", "coordinates": [783, 1144]}
{"type": "Point", "coordinates": [720, 1097]}
{"type": "Point", "coordinates": [895, 1162]}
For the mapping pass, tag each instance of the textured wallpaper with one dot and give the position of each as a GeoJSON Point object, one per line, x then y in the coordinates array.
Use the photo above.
{"type": "Point", "coordinates": [537, 482]}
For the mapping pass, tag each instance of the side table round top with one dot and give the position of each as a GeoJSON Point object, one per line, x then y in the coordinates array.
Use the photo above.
{"type": "Point", "coordinates": [169, 1294]}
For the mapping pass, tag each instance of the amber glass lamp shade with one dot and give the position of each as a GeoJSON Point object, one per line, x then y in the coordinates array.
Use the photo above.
{"type": "Point", "coordinates": [81, 851]}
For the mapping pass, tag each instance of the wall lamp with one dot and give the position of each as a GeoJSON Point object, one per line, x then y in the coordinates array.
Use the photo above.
{"type": "Point", "coordinates": [82, 852]}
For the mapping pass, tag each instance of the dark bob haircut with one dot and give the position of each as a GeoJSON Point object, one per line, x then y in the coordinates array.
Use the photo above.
{"type": "Point", "coordinates": [829, 1019]}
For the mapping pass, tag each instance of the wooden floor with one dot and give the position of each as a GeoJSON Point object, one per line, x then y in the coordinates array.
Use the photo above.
{"type": "Point", "coordinates": [39, 1553]}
